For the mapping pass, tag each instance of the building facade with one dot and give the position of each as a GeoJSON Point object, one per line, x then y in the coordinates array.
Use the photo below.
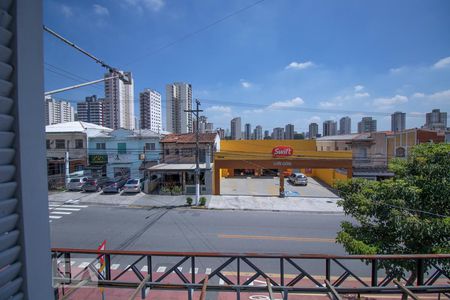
{"type": "Point", "coordinates": [313, 130]}
{"type": "Point", "coordinates": [248, 131]}
{"type": "Point", "coordinates": [119, 95]}
{"type": "Point", "coordinates": [329, 128]}
{"type": "Point", "coordinates": [399, 144]}
{"type": "Point", "coordinates": [178, 99]}
{"type": "Point", "coordinates": [289, 132]}
{"type": "Point", "coordinates": [91, 110]}
{"type": "Point", "coordinates": [236, 129]}
{"type": "Point", "coordinates": [258, 132]}
{"type": "Point", "coordinates": [436, 120]}
{"type": "Point", "coordinates": [398, 121]}
{"type": "Point", "coordinates": [150, 110]}
{"type": "Point", "coordinates": [345, 125]}
{"type": "Point", "coordinates": [278, 133]}
{"type": "Point", "coordinates": [367, 124]}
{"type": "Point", "coordinates": [58, 111]}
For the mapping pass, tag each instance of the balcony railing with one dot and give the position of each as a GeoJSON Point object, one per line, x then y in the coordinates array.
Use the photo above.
{"type": "Point", "coordinates": [244, 274]}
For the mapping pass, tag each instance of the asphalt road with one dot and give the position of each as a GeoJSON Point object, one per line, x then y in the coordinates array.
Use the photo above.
{"type": "Point", "coordinates": [181, 229]}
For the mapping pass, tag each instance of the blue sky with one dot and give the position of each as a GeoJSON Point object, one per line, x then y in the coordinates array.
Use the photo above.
{"type": "Point", "coordinates": [278, 62]}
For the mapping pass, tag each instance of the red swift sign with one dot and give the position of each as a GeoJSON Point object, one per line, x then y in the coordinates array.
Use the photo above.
{"type": "Point", "coordinates": [282, 151]}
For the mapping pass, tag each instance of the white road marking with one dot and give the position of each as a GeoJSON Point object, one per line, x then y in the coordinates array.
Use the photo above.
{"type": "Point", "coordinates": [83, 265]}
{"type": "Point", "coordinates": [144, 269]}
{"type": "Point", "coordinates": [76, 206]}
{"type": "Point", "coordinates": [72, 263]}
{"type": "Point", "coordinates": [115, 266]}
{"type": "Point", "coordinates": [61, 212]}
{"type": "Point", "coordinates": [179, 268]}
{"type": "Point", "coordinates": [196, 270]}
{"type": "Point", "coordinates": [67, 209]}
{"type": "Point", "coordinates": [221, 282]}
{"type": "Point", "coordinates": [130, 269]}
{"type": "Point", "coordinates": [161, 269]}
{"type": "Point", "coordinates": [208, 271]}
{"type": "Point", "coordinates": [55, 217]}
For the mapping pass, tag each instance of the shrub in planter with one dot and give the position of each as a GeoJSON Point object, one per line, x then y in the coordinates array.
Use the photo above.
{"type": "Point", "coordinates": [202, 201]}
{"type": "Point", "coordinates": [176, 190]}
{"type": "Point", "coordinates": [164, 191]}
{"type": "Point", "coordinates": [189, 201]}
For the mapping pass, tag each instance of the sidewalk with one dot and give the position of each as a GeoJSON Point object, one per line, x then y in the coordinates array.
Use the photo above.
{"type": "Point", "coordinates": [232, 202]}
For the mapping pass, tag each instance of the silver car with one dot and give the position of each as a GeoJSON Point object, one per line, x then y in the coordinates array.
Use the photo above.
{"type": "Point", "coordinates": [76, 184]}
{"type": "Point", "coordinates": [298, 179]}
{"type": "Point", "coordinates": [133, 185]}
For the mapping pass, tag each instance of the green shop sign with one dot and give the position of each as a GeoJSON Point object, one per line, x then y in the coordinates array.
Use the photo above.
{"type": "Point", "coordinates": [98, 159]}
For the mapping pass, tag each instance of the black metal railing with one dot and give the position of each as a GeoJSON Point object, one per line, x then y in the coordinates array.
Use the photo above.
{"type": "Point", "coordinates": [333, 275]}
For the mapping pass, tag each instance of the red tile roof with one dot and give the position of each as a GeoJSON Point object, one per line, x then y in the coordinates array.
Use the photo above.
{"type": "Point", "coordinates": [189, 138]}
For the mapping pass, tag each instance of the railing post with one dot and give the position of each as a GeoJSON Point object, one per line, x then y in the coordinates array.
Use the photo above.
{"type": "Point", "coordinates": [193, 269]}
{"type": "Point", "coordinates": [328, 269]}
{"type": "Point", "coordinates": [420, 271]}
{"type": "Point", "coordinates": [238, 271]}
{"type": "Point", "coordinates": [282, 271]}
{"type": "Point", "coordinates": [108, 266]}
{"type": "Point", "coordinates": [374, 272]}
{"type": "Point", "coordinates": [67, 267]}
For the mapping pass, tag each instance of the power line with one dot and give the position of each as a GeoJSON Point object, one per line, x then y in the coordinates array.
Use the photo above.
{"type": "Point", "coordinates": [191, 34]}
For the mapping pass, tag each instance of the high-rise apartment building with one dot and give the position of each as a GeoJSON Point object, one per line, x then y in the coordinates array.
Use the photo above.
{"type": "Point", "coordinates": [345, 125]}
{"type": "Point", "coordinates": [289, 132]}
{"type": "Point", "coordinates": [150, 110]}
{"type": "Point", "coordinates": [236, 129]}
{"type": "Point", "coordinates": [278, 133]}
{"type": "Point", "coordinates": [221, 133]}
{"type": "Point", "coordinates": [329, 128]}
{"type": "Point", "coordinates": [248, 131]}
{"type": "Point", "coordinates": [266, 134]}
{"type": "Point", "coordinates": [436, 120]}
{"type": "Point", "coordinates": [398, 121]}
{"type": "Point", "coordinates": [119, 95]}
{"type": "Point", "coordinates": [258, 133]}
{"type": "Point", "coordinates": [367, 124]}
{"type": "Point", "coordinates": [91, 110]}
{"type": "Point", "coordinates": [203, 125]}
{"type": "Point", "coordinates": [58, 111]}
{"type": "Point", "coordinates": [179, 99]}
{"type": "Point", "coordinates": [313, 130]}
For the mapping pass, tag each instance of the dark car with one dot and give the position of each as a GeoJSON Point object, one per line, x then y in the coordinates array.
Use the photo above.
{"type": "Point", "coordinates": [95, 184]}
{"type": "Point", "coordinates": [115, 185]}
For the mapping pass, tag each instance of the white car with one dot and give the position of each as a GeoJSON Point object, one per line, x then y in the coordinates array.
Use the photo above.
{"type": "Point", "coordinates": [298, 179]}
{"type": "Point", "coordinates": [133, 185]}
{"type": "Point", "coordinates": [75, 184]}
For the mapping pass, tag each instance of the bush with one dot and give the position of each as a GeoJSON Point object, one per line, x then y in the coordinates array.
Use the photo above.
{"type": "Point", "coordinates": [189, 201]}
{"type": "Point", "coordinates": [202, 201]}
{"type": "Point", "coordinates": [176, 190]}
{"type": "Point", "coordinates": [165, 190]}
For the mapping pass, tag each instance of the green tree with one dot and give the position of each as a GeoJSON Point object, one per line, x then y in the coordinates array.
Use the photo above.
{"type": "Point", "coordinates": [408, 214]}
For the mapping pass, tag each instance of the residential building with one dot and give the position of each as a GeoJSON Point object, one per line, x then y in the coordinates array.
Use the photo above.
{"type": "Point", "coordinates": [266, 134]}
{"type": "Point", "coordinates": [91, 110]}
{"type": "Point", "coordinates": [58, 111]}
{"type": "Point", "coordinates": [278, 133]}
{"type": "Point", "coordinates": [70, 137]}
{"type": "Point", "coordinates": [313, 130]}
{"type": "Point", "coordinates": [436, 120]}
{"type": "Point", "coordinates": [367, 124]}
{"type": "Point", "coordinates": [203, 125]}
{"type": "Point", "coordinates": [124, 152]}
{"type": "Point", "coordinates": [221, 133]}
{"type": "Point", "coordinates": [209, 127]}
{"type": "Point", "coordinates": [257, 133]}
{"type": "Point", "coordinates": [248, 131]}
{"type": "Point", "coordinates": [150, 110]}
{"type": "Point", "coordinates": [329, 128]}
{"type": "Point", "coordinates": [119, 93]}
{"type": "Point", "coordinates": [177, 167]}
{"type": "Point", "coordinates": [236, 129]}
{"type": "Point", "coordinates": [289, 132]}
{"type": "Point", "coordinates": [345, 125]}
{"type": "Point", "coordinates": [178, 100]}
{"type": "Point", "coordinates": [399, 144]}
{"type": "Point", "coordinates": [398, 121]}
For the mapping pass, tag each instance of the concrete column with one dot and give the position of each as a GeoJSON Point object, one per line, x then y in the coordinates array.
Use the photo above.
{"type": "Point", "coordinates": [281, 183]}
{"type": "Point", "coordinates": [216, 190]}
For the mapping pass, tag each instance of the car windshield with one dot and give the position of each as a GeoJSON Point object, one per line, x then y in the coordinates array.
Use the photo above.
{"type": "Point", "coordinates": [132, 181]}
{"type": "Point", "coordinates": [75, 180]}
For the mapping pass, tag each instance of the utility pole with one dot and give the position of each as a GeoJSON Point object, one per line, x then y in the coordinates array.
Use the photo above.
{"type": "Point", "coordinates": [196, 112]}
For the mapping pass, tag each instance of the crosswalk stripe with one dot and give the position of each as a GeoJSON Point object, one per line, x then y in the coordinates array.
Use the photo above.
{"type": "Point", "coordinates": [67, 205]}
{"type": "Point", "coordinates": [144, 269]}
{"type": "Point", "coordinates": [129, 268]}
{"type": "Point", "coordinates": [161, 269]}
{"type": "Point", "coordinates": [208, 271]}
{"type": "Point", "coordinates": [61, 212]}
{"type": "Point", "coordinates": [190, 270]}
{"type": "Point", "coordinates": [221, 282]}
{"type": "Point", "coordinates": [55, 217]}
{"type": "Point", "coordinates": [115, 266]}
{"type": "Point", "coordinates": [68, 209]}
{"type": "Point", "coordinates": [83, 265]}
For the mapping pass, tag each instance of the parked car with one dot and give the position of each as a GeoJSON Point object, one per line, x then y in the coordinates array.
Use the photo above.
{"type": "Point", "coordinates": [75, 184]}
{"type": "Point", "coordinates": [133, 185]}
{"type": "Point", "coordinates": [94, 184]}
{"type": "Point", "coordinates": [298, 179]}
{"type": "Point", "coordinates": [115, 185]}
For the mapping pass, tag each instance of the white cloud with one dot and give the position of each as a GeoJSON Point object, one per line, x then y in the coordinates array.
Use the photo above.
{"type": "Point", "coordinates": [328, 104]}
{"type": "Point", "coordinates": [314, 119]}
{"type": "Point", "coordinates": [386, 103]}
{"type": "Point", "coordinates": [66, 10]}
{"type": "Point", "coordinates": [362, 95]}
{"type": "Point", "coordinates": [397, 70]}
{"type": "Point", "coordinates": [442, 63]}
{"type": "Point", "coordinates": [100, 10]}
{"type": "Point", "coordinates": [440, 96]}
{"type": "Point", "coordinates": [300, 65]}
{"type": "Point", "coordinates": [246, 84]}
{"type": "Point", "coordinates": [140, 5]}
{"type": "Point", "coordinates": [295, 102]}
{"type": "Point", "coordinates": [219, 108]}
{"type": "Point", "coordinates": [358, 88]}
